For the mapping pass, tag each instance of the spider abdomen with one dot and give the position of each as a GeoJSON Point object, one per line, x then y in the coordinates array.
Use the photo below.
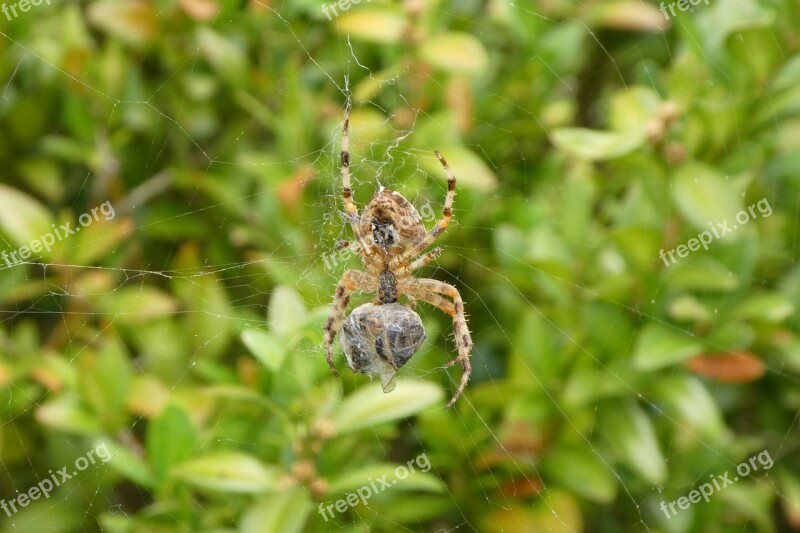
{"type": "Point", "coordinates": [379, 339]}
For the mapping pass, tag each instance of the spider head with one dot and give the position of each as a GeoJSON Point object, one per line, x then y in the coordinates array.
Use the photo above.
{"type": "Point", "coordinates": [391, 222]}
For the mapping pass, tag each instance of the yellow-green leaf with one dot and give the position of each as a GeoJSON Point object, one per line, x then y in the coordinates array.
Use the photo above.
{"type": "Point", "coordinates": [374, 25]}
{"type": "Point", "coordinates": [593, 145]}
{"type": "Point", "coordinates": [22, 218]}
{"type": "Point", "coordinates": [265, 347]}
{"type": "Point", "coordinates": [407, 480]}
{"type": "Point", "coordinates": [286, 512]}
{"type": "Point", "coordinates": [631, 433]}
{"type": "Point", "coordinates": [704, 197]}
{"type": "Point", "coordinates": [133, 21]}
{"type": "Point", "coordinates": [455, 52]}
{"type": "Point", "coordinates": [658, 346]}
{"type": "Point", "coordinates": [469, 168]}
{"type": "Point", "coordinates": [370, 406]}
{"type": "Point", "coordinates": [227, 472]}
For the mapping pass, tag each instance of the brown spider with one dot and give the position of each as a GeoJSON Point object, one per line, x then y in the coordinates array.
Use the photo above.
{"type": "Point", "coordinates": [380, 337]}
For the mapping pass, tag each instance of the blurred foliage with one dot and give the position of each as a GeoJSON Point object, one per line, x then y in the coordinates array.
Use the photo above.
{"type": "Point", "coordinates": [587, 137]}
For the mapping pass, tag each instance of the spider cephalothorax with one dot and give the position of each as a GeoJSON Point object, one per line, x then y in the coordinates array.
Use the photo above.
{"type": "Point", "coordinates": [380, 337]}
{"type": "Point", "coordinates": [392, 222]}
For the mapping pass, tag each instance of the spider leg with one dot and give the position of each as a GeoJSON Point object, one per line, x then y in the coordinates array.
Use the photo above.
{"type": "Point", "coordinates": [441, 225]}
{"type": "Point", "coordinates": [370, 263]}
{"type": "Point", "coordinates": [351, 281]}
{"type": "Point", "coordinates": [433, 299]}
{"type": "Point", "coordinates": [420, 262]}
{"type": "Point", "coordinates": [432, 291]}
{"type": "Point", "coordinates": [347, 192]}
{"type": "Point", "coordinates": [447, 211]}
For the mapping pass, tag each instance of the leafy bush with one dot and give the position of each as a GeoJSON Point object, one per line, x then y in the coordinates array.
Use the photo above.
{"type": "Point", "coordinates": [626, 351]}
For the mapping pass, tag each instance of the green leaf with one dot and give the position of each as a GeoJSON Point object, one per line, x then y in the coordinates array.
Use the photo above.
{"type": "Point", "coordinates": [147, 395]}
{"type": "Point", "coordinates": [130, 465]}
{"type": "Point", "coordinates": [111, 522]}
{"type": "Point", "coordinates": [373, 25]}
{"type": "Point", "coordinates": [133, 21]}
{"type": "Point", "coordinates": [581, 471]}
{"type": "Point", "coordinates": [225, 56]}
{"type": "Point", "coordinates": [416, 480]}
{"type": "Point", "coordinates": [690, 309]}
{"type": "Point", "coordinates": [694, 412]}
{"type": "Point", "coordinates": [265, 347]}
{"type": "Point", "coordinates": [287, 312]}
{"type": "Point", "coordinates": [731, 336]}
{"type": "Point", "coordinates": [633, 108]}
{"type": "Point", "coordinates": [370, 406]}
{"type": "Point", "coordinates": [371, 86]}
{"type": "Point", "coordinates": [789, 485]}
{"type": "Point", "coordinates": [593, 145]}
{"type": "Point", "coordinates": [285, 512]}
{"type": "Point", "coordinates": [227, 472]}
{"type": "Point", "coordinates": [22, 218]}
{"type": "Point", "coordinates": [536, 350]}
{"type": "Point", "coordinates": [703, 273]}
{"type": "Point", "coordinates": [561, 513]}
{"type": "Point", "coordinates": [107, 396]}
{"type": "Point", "coordinates": [770, 308]}
{"type": "Point", "coordinates": [64, 414]}
{"type": "Point", "coordinates": [627, 15]}
{"type": "Point", "coordinates": [417, 508]}
{"type": "Point", "coordinates": [714, 25]}
{"type": "Point", "coordinates": [470, 170]}
{"type": "Point", "coordinates": [137, 305]}
{"type": "Point", "coordinates": [587, 383]}
{"type": "Point", "coordinates": [455, 52]}
{"type": "Point", "coordinates": [753, 502]}
{"type": "Point", "coordinates": [171, 439]}
{"type": "Point", "coordinates": [97, 241]}
{"type": "Point", "coordinates": [631, 433]}
{"type": "Point", "coordinates": [704, 197]}
{"type": "Point", "coordinates": [236, 393]}
{"type": "Point", "coordinates": [658, 346]}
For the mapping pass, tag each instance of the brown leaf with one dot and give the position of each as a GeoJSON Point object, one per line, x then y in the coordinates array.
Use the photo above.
{"type": "Point", "coordinates": [201, 10]}
{"type": "Point", "coordinates": [47, 377]}
{"type": "Point", "coordinates": [289, 192]}
{"type": "Point", "coordinates": [734, 367]}
{"type": "Point", "coordinates": [5, 375]}
{"type": "Point", "coordinates": [521, 488]}
{"type": "Point", "coordinates": [248, 371]}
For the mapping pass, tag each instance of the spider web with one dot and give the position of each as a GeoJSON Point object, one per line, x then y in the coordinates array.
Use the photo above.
{"type": "Point", "coordinates": [394, 161]}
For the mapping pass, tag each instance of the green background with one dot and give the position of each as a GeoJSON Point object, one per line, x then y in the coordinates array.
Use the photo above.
{"type": "Point", "coordinates": [186, 332]}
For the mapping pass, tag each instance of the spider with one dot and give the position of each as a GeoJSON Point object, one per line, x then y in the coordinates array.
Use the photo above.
{"type": "Point", "coordinates": [379, 338]}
